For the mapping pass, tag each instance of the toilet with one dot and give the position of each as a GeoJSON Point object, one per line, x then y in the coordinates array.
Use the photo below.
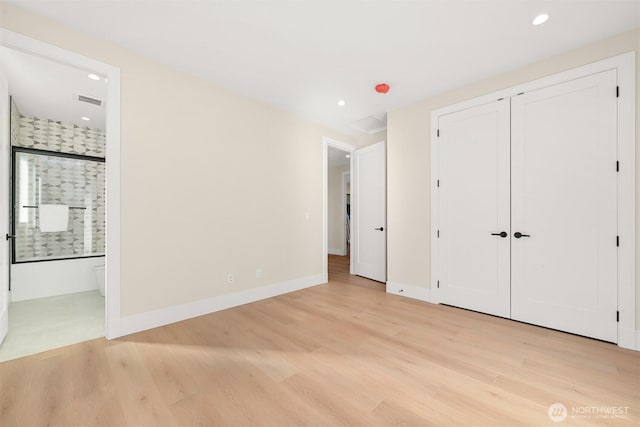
{"type": "Point", "coordinates": [99, 272]}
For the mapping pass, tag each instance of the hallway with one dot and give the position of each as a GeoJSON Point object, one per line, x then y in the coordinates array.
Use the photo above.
{"type": "Point", "coordinates": [339, 272]}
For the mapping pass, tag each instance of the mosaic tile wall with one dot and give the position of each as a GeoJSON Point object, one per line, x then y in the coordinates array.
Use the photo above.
{"type": "Point", "coordinates": [59, 136]}
{"type": "Point", "coordinates": [57, 180]}
{"type": "Point", "coordinates": [15, 123]}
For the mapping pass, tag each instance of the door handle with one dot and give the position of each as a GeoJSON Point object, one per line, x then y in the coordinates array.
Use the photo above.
{"type": "Point", "coordinates": [501, 234]}
{"type": "Point", "coordinates": [379, 228]}
{"type": "Point", "coordinates": [518, 235]}
{"type": "Point", "coordinates": [9, 236]}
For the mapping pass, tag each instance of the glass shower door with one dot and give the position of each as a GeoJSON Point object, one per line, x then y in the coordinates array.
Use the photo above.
{"type": "Point", "coordinates": [70, 186]}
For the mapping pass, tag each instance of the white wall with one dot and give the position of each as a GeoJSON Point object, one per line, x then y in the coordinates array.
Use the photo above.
{"type": "Point", "coordinates": [48, 278]}
{"type": "Point", "coordinates": [363, 141]}
{"type": "Point", "coordinates": [336, 211]}
{"type": "Point", "coordinates": [408, 161]}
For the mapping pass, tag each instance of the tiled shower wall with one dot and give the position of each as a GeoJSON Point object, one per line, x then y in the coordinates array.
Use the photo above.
{"type": "Point", "coordinates": [15, 123]}
{"type": "Point", "coordinates": [61, 137]}
{"type": "Point", "coordinates": [72, 182]}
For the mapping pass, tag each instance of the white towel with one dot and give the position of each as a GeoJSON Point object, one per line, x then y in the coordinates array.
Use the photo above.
{"type": "Point", "coordinates": [53, 218]}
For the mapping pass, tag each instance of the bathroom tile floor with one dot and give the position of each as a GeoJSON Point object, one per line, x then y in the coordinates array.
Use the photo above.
{"type": "Point", "coordinates": [46, 323]}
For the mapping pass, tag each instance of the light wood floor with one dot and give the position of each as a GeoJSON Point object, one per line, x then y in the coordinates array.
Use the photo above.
{"type": "Point", "coordinates": [336, 354]}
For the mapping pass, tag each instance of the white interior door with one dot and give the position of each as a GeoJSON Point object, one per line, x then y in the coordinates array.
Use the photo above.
{"type": "Point", "coordinates": [369, 211]}
{"type": "Point", "coordinates": [473, 217]}
{"type": "Point", "coordinates": [4, 205]}
{"type": "Point", "coordinates": [564, 186]}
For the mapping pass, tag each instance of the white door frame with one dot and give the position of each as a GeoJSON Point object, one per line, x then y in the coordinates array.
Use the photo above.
{"type": "Point", "coordinates": [628, 337]}
{"type": "Point", "coordinates": [5, 161]}
{"type": "Point", "coordinates": [326, 143]}
{"type": "Point", "coordinates": [28, 45]}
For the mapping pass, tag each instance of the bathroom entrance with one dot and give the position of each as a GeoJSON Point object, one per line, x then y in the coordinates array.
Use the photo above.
{"type": "Point", "coordinates": [57, 236]}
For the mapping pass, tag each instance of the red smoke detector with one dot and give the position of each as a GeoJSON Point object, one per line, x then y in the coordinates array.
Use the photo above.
{"type": "Point", "coordinates": [382, 88]}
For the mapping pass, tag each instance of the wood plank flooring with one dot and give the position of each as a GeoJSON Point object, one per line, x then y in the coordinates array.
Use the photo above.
{"type": "Point", "coordinates": [344, 353]}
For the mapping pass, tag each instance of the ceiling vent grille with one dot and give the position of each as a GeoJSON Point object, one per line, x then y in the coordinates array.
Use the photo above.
{"type": "Point", "coordinates": [370, 124]}
{"type": "Point", "coordinates": [89, 100]}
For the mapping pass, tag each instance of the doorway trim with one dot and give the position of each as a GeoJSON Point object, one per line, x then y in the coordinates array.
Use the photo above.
{"type": "Point", "coordinates": [24, 44]}
{"type": "Point", "coordinates": [326, 143]}
{"type": "Point", "coordinates": [628, 337]}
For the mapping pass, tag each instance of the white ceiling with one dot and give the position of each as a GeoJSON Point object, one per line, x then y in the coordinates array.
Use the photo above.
{"type": "Point", "coordinates": [46, 89]}
{"type": "Point", "coordinates": [303, 56]}
{"type": "Point", "coordinates": [336, 157]}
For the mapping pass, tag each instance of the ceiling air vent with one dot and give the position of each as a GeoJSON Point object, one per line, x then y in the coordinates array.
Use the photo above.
{"type": "Point", "coordinates": [370, 124]}
{"type": "Point", "coordinates": [89, 100]}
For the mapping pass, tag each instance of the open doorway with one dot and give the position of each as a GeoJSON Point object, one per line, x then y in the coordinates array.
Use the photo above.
{"type": "Point", "coordinates": [367, 208]}
{"type": "Point", "coordinates": [71, 177]}
{"type": "Point", "coordinates": [338, 210]}
{"type": "Point", "coordinates": [57, 220]}
{"type": "Point", "coordinates": [336, 201]}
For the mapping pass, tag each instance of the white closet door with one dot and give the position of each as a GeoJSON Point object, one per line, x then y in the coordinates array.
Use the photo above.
{"type": "Point", "coordinates": [564, 188]}
{"type": "Point", "coordinates": [473, 156]}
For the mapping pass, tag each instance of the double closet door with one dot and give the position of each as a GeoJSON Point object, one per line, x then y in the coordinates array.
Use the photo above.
{"type": "Point", "coordinates": [527, 217]}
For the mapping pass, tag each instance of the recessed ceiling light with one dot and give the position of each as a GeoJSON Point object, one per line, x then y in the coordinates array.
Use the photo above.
{"type": "Point", "coordinates": [341, 103]}
{"type": "Point", "coordinates": [348, 155]}
{"type": "Point", "coordinates": [94, 76]}
{"type": "Point", "coordinates": [540, 19]}
{"type": "Point", "coordinates": [86, 119]}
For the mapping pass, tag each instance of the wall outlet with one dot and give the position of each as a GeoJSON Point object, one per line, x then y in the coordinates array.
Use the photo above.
{"type": "Point", "coordinates": [258, 273]}
{"type": "Point", "coordinates": [230, 279]}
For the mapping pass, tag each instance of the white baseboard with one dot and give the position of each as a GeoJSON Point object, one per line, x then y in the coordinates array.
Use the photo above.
{"type": "Point", "coordinates": [627, 338]}
{"type": "Point", "coordinates": [153, 319]}
{"type": "Point", "coordinates": [340, 252]}
{"type": "Point", "coordinates": [409, 291]}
